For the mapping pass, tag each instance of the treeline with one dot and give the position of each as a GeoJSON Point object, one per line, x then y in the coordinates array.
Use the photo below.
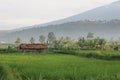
{"type": "Point", "coordinates": [89, 42]}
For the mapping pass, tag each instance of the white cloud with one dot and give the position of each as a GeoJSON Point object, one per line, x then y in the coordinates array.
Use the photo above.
{"type": "Point", "coordinates": [17, 13]}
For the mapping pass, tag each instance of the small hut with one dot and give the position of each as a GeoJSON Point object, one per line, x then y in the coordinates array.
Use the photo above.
{"type": "Point", "coordinates": [37, 47]}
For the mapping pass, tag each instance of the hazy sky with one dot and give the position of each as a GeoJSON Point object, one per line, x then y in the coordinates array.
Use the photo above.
{"type": "Point", "coordinates": [21, 13]}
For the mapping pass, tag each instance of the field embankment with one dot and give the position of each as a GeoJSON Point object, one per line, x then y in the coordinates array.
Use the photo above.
{"type": "Point", "coordinates": [98, 54]}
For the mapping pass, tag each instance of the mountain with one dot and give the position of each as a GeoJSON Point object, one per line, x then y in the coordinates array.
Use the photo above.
{"type": "Point", "coordinates": [103, 21]}
{"type": "Point", "coordinates": [107, 12]}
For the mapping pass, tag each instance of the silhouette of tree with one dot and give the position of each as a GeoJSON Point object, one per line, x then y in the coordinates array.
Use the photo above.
{"type": "Point", "coordinates": [32, 40]}
{"type": "Point", "coordinates": [18, 40]}
{"type": "Point", "coordinates": [51, 38]}
{"type": "Point", "coordinates": [42, 39]}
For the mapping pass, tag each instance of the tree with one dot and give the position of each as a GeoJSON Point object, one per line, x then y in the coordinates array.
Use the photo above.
{"type": "Point", "coordinates": [91, 43]}
{"type": "Point", "coordinates": [51, 38]}
{"type": "Point", "coordinates": [102, 43]}
{"type": "Point", "coordinates": [32, 40]}
{"type": "Point", "coordinates": [96, 42]}
{"type": "Point", "coordinates": [42, 39]}
{"type": "Point", "coordinates": [18, 41]}
{"type": "Point", "coordinates": [90, 35]}
{"type": "Point", "coordinates": [69, 44]}
{"type": "Point", "coordinates": [82, 42]}
{"type": "Point", "coordinates": [58, 44]}
{"type": "Point", "coordinates": [65, 43]}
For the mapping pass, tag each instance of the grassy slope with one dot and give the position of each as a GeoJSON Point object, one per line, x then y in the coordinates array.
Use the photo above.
{"type": "Point", "coordinates": [60, 67]}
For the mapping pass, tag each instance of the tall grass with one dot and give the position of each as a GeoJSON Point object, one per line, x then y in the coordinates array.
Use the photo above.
{"type": "Point", "coordinates": [6, 73]}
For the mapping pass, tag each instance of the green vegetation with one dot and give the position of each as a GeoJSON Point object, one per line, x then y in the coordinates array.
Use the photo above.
{"type": "Point", "coordinates": [98, 54]}
{"type": "Point", "coordinates": [56, 67]}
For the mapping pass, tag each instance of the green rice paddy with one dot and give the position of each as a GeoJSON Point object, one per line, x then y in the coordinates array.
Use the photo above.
{"type": "Point", "coordinates": [56, 67]}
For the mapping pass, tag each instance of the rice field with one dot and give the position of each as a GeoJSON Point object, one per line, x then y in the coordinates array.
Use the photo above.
{"type": "Point", "coordinates": [56, 67]}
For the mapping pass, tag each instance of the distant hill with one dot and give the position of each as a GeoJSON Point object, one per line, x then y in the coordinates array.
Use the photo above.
{"type": "Point", "coordinates": [103, 21]}
{"type": "Point", "coordinates": [3, 32]}
{"type": "Point", "coordinates": [106, 29]}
